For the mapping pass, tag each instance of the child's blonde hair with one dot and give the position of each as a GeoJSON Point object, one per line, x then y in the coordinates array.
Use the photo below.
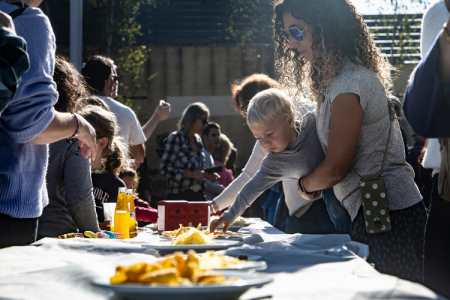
{"type": "Point", "coordinates": [268, 105]}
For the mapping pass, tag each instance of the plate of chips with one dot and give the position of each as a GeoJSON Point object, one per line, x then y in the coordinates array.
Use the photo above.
{"type": "Point", "coordinates": [218, 291]}
{"type": "Point", "coordinates": [182, 277]}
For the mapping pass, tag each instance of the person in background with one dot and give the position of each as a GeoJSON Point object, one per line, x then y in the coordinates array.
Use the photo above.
{"type": "Point", "coordinates": [302, 215]}
{"type": "Point", "coordinates": [220, 156]}
{"type": "Point", "coordinates": [428, 111]}
{"type": "Point", "coordinates": [14, 57]}
{"type": "Point", "coordinates": [211, 140]}
{"type": "Point", "coordinates": [28, 124]}
{"type": "Point", "coordinates": [110, 159]}
{"type": "Point", "coordinates": [71, 205]}
{"type": "Point", "coordinates": [183, 160]}
{"type": "Point", "coordinates": [144, 213]}
{"type": "Point", "coordinates": [329, 48]}
{"type": "Point", "coordinates": [101, 75]}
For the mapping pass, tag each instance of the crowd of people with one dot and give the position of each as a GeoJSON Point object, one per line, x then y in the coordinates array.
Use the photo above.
{"type": "Point", "coordinates": [328, 140]}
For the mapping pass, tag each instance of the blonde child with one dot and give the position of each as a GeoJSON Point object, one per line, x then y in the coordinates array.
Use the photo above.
{"type": "Point", "coordinates": [293, 146]}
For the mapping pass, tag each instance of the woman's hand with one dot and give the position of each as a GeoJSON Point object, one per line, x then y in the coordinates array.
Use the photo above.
{"type": "Point", "coordinates": [314, 196]}
{"type": "Point", "coordinates": [6, 22]}
{"type": "Point", "coordinates": [216, 224]}
{"type": "Point", "coordinates": [162, 111]}
{"type": "Point", "coordinates": [86, 139]}
{"type": "Point", "coordinates": [105, 225]}
{"type": "Point", "coordinates": [212, 177]}
{"type": "Point", "coordinates": [200, 176]}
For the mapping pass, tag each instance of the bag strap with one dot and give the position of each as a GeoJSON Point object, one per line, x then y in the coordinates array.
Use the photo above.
{"type": "Point", "coordinates": [392, 101]}
{"type": "Point", "coordinates": [18, 12]}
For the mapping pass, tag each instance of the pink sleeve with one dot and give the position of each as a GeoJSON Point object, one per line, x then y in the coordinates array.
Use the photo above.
{"type": "Point", "coordinates": [146, 214]}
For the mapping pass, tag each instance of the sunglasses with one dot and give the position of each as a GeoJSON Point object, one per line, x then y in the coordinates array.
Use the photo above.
{"type": "Point", "coordinates": [115, 78]}
{"type": "Point", "coordinates": [294, 32]}
{"type": "Point", "coordinates": [244, 108]}
{"type": "Point", "coordinates": [204, 121]}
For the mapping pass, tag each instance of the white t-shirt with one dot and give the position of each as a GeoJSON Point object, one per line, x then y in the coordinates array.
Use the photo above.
{"type": "Point", "coordinates": [129, 127]}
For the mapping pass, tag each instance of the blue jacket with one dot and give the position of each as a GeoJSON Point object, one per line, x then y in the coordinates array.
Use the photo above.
{"type": "Point", "coordinates": [427, 98]}
{"type": "Point", "coordinates": [23, 166]}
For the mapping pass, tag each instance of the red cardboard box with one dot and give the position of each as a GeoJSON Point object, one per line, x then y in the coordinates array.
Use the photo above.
{"type": "Point", "coordinates": [199, 213]}
{"type": "Point", "coordinates": [171, 214]}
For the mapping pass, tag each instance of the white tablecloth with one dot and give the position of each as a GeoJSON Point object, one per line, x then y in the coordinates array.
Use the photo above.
{"type": "Point", "coordinates": [303, 266]}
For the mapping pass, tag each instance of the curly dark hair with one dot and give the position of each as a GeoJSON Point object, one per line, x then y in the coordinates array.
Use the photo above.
{"type": "Point", "coordinates": [69, 84]}
{"type": "Point", "coordinates": [338, 31]}
{"type": "Point", "coordinates": [248, 87]}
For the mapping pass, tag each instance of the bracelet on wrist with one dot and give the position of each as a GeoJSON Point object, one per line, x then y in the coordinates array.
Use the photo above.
{"type": "Point", "coordinates": [211, 207]}
{"type": "Point", "coordinates": [302, 188]}
{"type": "Point", "coordinates": [77, 131]}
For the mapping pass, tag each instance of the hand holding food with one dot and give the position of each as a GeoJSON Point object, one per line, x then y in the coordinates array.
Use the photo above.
{"type": "Point", "coordinates": [216, 224]}
{"type": "Point", "coordinates": [162, 111]}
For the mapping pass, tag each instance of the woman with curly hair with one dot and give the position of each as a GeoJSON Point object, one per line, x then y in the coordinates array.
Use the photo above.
{"type": "Point", "coordinates": [326, 52]}
{"type": "Point", "coordinates": [71, 206]}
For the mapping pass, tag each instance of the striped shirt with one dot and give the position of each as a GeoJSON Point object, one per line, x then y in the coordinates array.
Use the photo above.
{"type": "Point", "coordinates": [179, 157]}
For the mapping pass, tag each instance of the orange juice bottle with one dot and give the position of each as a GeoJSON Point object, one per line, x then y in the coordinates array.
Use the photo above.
{"type": "Point", "coordinates": [122, 215]}
{"type": "Point", "coordinates": [132, 211]}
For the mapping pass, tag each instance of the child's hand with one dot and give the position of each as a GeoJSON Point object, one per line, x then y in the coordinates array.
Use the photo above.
{"type": "Point", "coordinates": [216, 224]}
{"type": "Point", "coordinates": [314, 196]}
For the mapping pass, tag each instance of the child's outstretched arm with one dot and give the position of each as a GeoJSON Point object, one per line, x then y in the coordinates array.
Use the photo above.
{"type": "Point", "coordinates": [265, 178]}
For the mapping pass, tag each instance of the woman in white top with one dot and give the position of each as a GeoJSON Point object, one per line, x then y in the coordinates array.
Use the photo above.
{"type": "Point", "coordinates": [310, 217]}
{"type": "Point", "coordinates": [324, 49]}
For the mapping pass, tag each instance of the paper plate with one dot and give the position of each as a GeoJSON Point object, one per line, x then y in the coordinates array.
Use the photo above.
{"type": "Point", "coordinates": [229, 290]}
{"type": "Point", "coordinates": [164, 247]}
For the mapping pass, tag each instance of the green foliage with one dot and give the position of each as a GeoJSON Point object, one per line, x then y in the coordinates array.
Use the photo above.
{"type": "Point", "coordinates": [401, 30]}
{"type": "Point", "coordinates": [248, 19]}
{"type": "Point", "coordinates": [117, 26]}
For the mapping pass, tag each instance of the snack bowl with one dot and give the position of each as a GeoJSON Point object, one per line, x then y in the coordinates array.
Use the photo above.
{"type": "Point", "coordinates": [219, 291]}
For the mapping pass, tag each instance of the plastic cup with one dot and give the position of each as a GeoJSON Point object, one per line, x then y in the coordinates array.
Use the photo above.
{"type": "Point", "coordinates": [108, 211]}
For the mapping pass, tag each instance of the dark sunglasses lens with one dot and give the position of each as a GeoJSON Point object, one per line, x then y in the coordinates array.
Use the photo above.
{"type": "Point", "coordinates": [296, 34]}
{"type": "Point", "coordinates": [204, 121]}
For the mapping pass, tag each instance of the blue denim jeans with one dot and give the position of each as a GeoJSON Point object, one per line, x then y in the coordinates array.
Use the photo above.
{"type": "Point", "coordinates": [314, 221]}
{"type": "Point", "coordinates": [338, 214]}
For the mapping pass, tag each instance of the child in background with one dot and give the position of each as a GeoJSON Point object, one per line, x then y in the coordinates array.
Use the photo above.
{"type": "Point", "coordinates": [221, 155]}
{"type": "Point", "coordinates": [293, 146]}
{"type": "Point", "coordinates": [109, 161]}
{"type": "Point", "coordinates": [144, 212]}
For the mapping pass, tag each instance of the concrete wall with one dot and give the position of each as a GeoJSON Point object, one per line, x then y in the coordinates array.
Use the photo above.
{"type": "Point", "coordinates": [200, 73]}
